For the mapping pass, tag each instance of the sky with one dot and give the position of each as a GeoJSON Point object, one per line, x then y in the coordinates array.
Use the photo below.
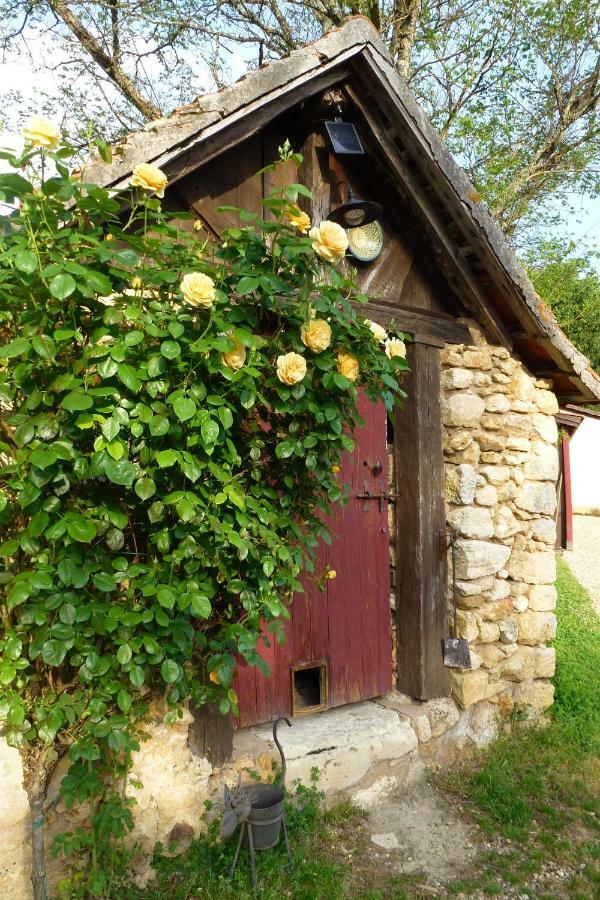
{"type": "Point", "coordinates": [18, 72]}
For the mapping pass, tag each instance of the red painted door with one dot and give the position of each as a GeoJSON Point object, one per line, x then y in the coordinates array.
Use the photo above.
{"type": "Point", "coordinates": [348, 626]}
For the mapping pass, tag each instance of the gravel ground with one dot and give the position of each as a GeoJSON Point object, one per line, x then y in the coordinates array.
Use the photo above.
{"type": "Point", "coordinates": [584, 559]}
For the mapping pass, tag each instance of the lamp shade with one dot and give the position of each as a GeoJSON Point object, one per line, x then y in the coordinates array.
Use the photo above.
{"type": "Point", "coordinates": [355, 213]}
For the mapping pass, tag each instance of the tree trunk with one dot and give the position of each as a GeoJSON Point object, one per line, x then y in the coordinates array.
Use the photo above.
{"type": "Point", "coordinates": [36, 778]}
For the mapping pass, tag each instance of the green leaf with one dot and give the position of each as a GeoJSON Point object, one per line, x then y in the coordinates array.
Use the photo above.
{"type": "Point", "coordinates": [7, 672]}
{"type": "Point", "coordinates": [170, 671]}
{"type": "Point", "coordinates": [67, 614]}
{"type": "Point", "coordinates": [128, 376]}
{"type": "Point", "coordinates": [124, 654]}
{"type": "Point", "coordinates": [15, 348]}
{"type": "Point", "coordinates": [62, 285]}
{"type": "Point", "coordinates": [200, 606]}
{"type": "Point", "coordinates": [104, 582]}
{"type": "Point", "coordinates": [114, 539]}
{"type": "Point", "coordinates": [26, 261]}
{"type": "Point", "coordinates": [185, 510]}
{"type": "Point", "coordinates": [247, 399]}
{"type": "Point", "coordinates": [124, 701]}
{"type": "Point", "coordinates": [184, 408]}
{"type": "Point", "coordinates": [76, 401]}
{"type": "Point", "coordinates": [166, 458]}
{"type": "Point", "coordinates": [44, 346]}
{"type": "Point", "coordinates": [284, 449]}
{"type": "Point", "coordinates": [226, 416]}
{"type": "Point", "coordinates": [107, 367]}
{"type": "Point", "coordinates": [145, 488]}
{"type": "Point", "coordinates": [246, 285]}
{"type": "Point", "coordinates": [98, 283]}
{"type": "Point", "coordinates": [158, 425]}
{"type": "Point", "coordinates": [80, 529]}
{"type": "Point", "coordinates": [111, 428]}
{"type": "Point", "coordinates": [209, 431]}
{"type": "Point", "coordinates": [119, 471]}
{"type": "Point", "coordinates": [53, 652]}
{"type": "Point", "coordinates": [170, 349]}
{"type": "Point", "coordinates": [136, 676]}
{"type": "Point", "coordinates": [166, 597]}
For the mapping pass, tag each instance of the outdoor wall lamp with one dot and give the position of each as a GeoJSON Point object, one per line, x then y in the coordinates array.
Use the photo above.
{"type": "Point", "coordinates": [360, 218]}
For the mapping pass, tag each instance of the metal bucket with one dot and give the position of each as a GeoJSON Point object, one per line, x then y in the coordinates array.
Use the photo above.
{"type": "Point", "coordinates": [266, 815]}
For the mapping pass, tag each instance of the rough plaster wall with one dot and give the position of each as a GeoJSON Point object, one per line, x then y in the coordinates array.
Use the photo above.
{"type": "Point", "coordinates": [500, 446]}
{"type": "Point", "coordinates": [585, 471]}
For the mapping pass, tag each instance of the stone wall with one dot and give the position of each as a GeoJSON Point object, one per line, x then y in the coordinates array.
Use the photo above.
{"type": "Point", "coordinates": [500, 447]}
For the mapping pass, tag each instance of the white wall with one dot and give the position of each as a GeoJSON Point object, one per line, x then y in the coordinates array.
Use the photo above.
{"type": "Point", "coordinates": [585, 467]}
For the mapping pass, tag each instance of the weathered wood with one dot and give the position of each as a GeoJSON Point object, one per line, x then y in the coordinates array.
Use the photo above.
{"type": "Point", "coordinates": [421, 592]}
{"type": "Point", "coordinates": [427, 325]}
{"type": "Point", "coordinates": [211, 734]}
{"type": "Point", "coordinates": [315, 174]}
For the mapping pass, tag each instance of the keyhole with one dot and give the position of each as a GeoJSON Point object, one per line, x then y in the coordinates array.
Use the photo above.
{"type": "Point", "coordinates": [377, 469]}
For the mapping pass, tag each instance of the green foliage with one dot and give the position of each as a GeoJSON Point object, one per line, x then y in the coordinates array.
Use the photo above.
{"type": "Point", "coordinates": [157, 503]}
{"type": "Point", "coordinates": [570, 284]}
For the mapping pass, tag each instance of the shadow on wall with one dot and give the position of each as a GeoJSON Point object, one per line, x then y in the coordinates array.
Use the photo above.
{"type": "Point", "coordinates": [585, 471]}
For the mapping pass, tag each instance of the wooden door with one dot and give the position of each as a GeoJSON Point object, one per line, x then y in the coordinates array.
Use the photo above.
{"type": "Point", "coordinates": [345, 631]}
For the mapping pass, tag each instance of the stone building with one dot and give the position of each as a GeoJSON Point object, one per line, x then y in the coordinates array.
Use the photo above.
{"type": "Point", "coordinates": [473, 452]}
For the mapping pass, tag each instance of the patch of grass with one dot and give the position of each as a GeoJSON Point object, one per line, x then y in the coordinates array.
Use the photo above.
{"type": "Point", "coordinates": [540, 786]}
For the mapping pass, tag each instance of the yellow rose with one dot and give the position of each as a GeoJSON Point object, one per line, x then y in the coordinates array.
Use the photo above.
{"type": "Point", "coordinates": [136, 283]}
{"type": "Point", "coordinates": [41, 132]}
{"type": "Point", "coordinates": [377, 330]}
{"type": "Point", "coordinates": [214, 678]}
{"type": "Point", "coordinates": [316, 335]}
{"type": "Point", "coordinates": [395, 347]}
{"type": "Point", "coordinates": [331, 574]}
{"type": "Point", "coordinates": [298, 219]}
{"type": "Point", "coordinates": [291, 368]}
{"type": "Point", "coordinates": [149, 178]}
{"type": "Point", "coordinates": [336, 469]}
{"type": "Point", "coordinates": [235, 358]}
{"type": "Point", "coordinates": [198, 289]}
{"type": "Point", "coordinates": [330, 240]}
{"type": "Point", "coordinates": [198, 226]}
{"type": "Point", "coordinates": [348, 366]}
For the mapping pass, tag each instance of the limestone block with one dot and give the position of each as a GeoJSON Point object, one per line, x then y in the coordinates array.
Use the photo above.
{"type": "Point", "coordinates": [481, 379]}
{"type": "Point", "coordinates": [511, 423]}
{"type": "Point", "coordinates": [509, 631]}
{"type": "Point", "coordinates": [500, 590]}
{"type": "Point", "coordinates": [544, 530]}
{"type": "Point", "coordinates": [513, 458]}
{"type": "Point", "coordinates": [542, 597]}
{"type": "Point", "coordinates": [489, 632]}
{"type": "Point", "coordinates": [456, 379]}
{"type": "Point", "coordinates": [344, 743]}
{"type": "Point", "coordinates": [487, 495]}
{"type": "Point", "coordinates": [533, 567]}
{"type": "Point", "coordinates": [495, 474]}
{"type": "Point", "coordinates": [536, 627]}
{"type": "Point", "coordinates": [422, 728]}
{"type": "Point", "coordinates": [173, 784]}
{"type": "Point", "coordinates": [481, 724]}
{"type": "Point", "coordinates": [496, 610]}
{"type": "Point", "coordinates": [442, 714]}
{"type": "Point", "coordinates": [472, 522]}
{"type": "Point", "coordinates": [543, 463]}
{"type": "Point", "coordinates": [505, 524]}
{"type": "Point", "coordinates": [537, 497]}
{"type": "Point", "coordinates": [456, 439]}
{"type": "Point", "coordinates": [460, 483]}
{"type": "Point", "coordinates": [518, 476]}
{"type": "Point", "coordinates": [507, 492]}
{"type": "Point", "coordinates": [529, 662]}
{"type": "Point", "coordinates": [514, 442]}
{"type": "Point", "coordinates": [467, 625]}
{"type": "Point", "coordinates": [463, 409]}
{"type": "Point", "coordinates": [15, 828]}
{"type": "Point", "coordinates": [545, 427]}
{"type": "Point", "coordinates": [451, 356]}
{"type": "Point", "coordinates": [469, 687]}
{"type": "Point", "coordinates": [534, 694]}
{"type": "Point", "coordinates": [491, 655]}
{"type": "Point", "coordinates": [506, 704]}
{"type": "Point", "coordinates": [520, 604]}
{"type": "Point", "coordinates": [521, 386]}
{"type": "Point", "coordinates": [475, 559]}
{"type": "Point", "coordinates": [491, 440]}
{"type": "Point", "coordinates": [500, 352]}
{"type": "Point", "coordinates": [371, 797]}
{"type": "Point", "coordinates": [479, 358]}
{"type": "Point", "coordinates": [475, 587]}
{"type": "Point", "coordinates": [491, 457]}
{"type": "Point", "coordinates": [500, 378]}
{"type": "Point", "coordinates": [497, 403]}
{"type": "Point", "coordinates": [546, 402]}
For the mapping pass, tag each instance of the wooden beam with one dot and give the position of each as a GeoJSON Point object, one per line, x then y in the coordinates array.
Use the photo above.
{"type": "Point", "coordinates": [421, 574]}
{"type": "Point", "coordinates": [430, 328]}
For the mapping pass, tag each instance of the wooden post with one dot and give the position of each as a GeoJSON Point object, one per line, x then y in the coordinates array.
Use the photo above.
{"type": "Point", "coordinates": [565, 450]}
{"type": "Point", "coordinates": [421, 571]}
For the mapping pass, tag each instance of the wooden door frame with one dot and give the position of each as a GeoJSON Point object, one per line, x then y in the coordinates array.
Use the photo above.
{"type": "Point", "coordinates": [421, 569]}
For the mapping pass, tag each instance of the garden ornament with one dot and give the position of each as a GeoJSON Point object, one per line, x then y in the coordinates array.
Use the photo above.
{"type": "Point", "coordinates": [258, 809]}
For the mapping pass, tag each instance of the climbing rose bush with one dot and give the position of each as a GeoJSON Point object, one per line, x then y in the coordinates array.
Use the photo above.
{"type": "Point", "coordinates": [173, 412]}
